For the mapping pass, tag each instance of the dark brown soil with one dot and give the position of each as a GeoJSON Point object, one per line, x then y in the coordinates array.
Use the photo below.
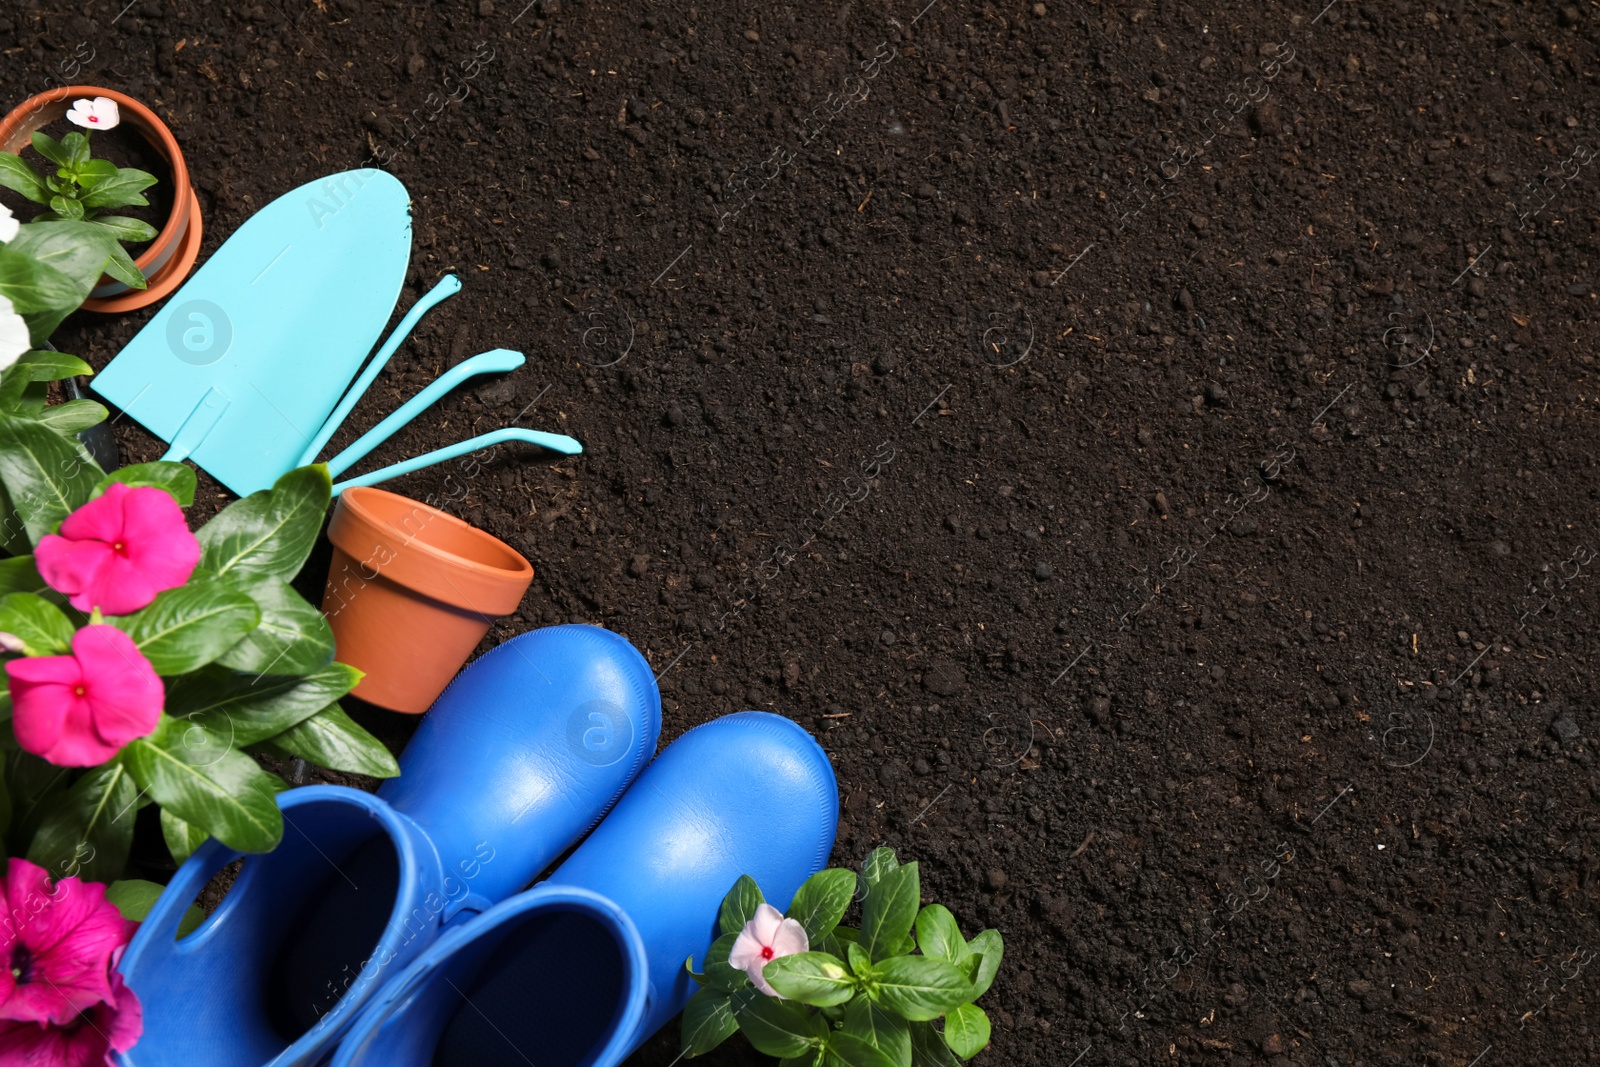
{"type": "Point", "coordinates": [1299, 775]}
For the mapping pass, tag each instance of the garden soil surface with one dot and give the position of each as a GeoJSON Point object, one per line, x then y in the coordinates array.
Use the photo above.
{"type": "Point", "coordinates": [1152, 445]}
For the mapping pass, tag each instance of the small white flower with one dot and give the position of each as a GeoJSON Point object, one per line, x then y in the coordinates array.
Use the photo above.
{"type": "Point", "coordinates": [97, 114]}
{"type": "Point", "coordinates": [8, 225]}
{"type": "Point", "coordinates": [13, 334]}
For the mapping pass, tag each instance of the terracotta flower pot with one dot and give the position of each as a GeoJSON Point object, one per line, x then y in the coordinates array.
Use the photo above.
{"type": "Point", "coordinates": [170, 257]}
{"type": "Point", "coordinates": [411, 592]}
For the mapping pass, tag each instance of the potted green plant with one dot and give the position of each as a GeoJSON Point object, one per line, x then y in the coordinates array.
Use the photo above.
{"type": "Point", "coordinates": [896, 992]}
{"type": "Point", "coordinates": [83, 190]}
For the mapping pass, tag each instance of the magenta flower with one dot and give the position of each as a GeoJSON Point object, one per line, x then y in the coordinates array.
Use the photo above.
{"type": "Point", "coordinates": [57, 944]}
{"type": "Point", "coordinates": [119, 550]}
{"type": "Point", "coordinates": [767, 936]}
{"type": "Point", "coordinates": [87, 1041]}
{"type": "Point", "coordinates": [79, 710]}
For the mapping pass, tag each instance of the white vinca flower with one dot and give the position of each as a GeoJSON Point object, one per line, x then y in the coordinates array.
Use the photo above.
{"type": "Point", "coordinates": [97, 114]}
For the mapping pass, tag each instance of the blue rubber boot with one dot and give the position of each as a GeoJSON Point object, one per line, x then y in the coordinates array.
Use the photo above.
{"type": "Point", "coordinates": [581, 969]}
{"type": "Point", "coordinates": [522, 755]}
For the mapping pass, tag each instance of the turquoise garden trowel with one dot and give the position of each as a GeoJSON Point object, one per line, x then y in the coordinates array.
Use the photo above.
{"type": "Point", "coordinates": [243, 367]}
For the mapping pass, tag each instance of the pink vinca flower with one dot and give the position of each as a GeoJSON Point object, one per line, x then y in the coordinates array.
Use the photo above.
{"type": "Point", "coordinates": [119, 550]}
{"type": "Point", "coordinates": [87, 1041]}
{"type": "Point", "coordinates": [79, 710]}
{"type": "Point", "coordinates": [97, 114]}
{"type": "Point", "coordinates": [766, 937]}
{"type": "Point", "coordinates": [57, 946]}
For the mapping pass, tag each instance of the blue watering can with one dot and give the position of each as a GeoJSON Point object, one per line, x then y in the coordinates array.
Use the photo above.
{"type": "Point", "coordinates": [515, 762]}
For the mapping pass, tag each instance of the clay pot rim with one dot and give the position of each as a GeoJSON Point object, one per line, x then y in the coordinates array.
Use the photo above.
{"type": "Point", "coordinates": [172, 254]}
{"type": "Point", "coordinates": [360, 526]}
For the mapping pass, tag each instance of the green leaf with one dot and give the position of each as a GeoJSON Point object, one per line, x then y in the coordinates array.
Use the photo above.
{"type": "Point", "coordinates": [119, 264]}
{"type": "Point", "coordinates": [46, 475]}
{"type": "Point", "coordinates": [76, 147]}
{"type": "Point", "coordinates": [48, 366]}
{"type": "Point", "coordinates": [32, 286]}
{"type": "Point", "coordinates": [181, 838]}
{"type": "Point", "coordinates": [331, 739]}
{"type": "Point", "coordinates": [35, 787]}
{"type": "Point", "coordinates": [66, 208]}
{"type": "Point", "coordinates": [121, 191]}
{"type": "Point", "coordinates": [135, 898]}
{"type": "Point", "coordinates": [292, 638]}
{"type": "Point", "coordinates": [814, 978]}
{"type": "Point", "coordinates": [884, 1032]}
{"type": "Point", "coordinates": [821, 901]}
{"type": "Point", "coordinates": [269, 533]}
{"type": "Point", "coordinates": [889, 910]}
{"type": "Point", "coordinates": [20, 574]}
{"type": "Point", "coordinates": [966, 1030]}
{"type": "Point", "coordinates": [248, 709]}
{"type": "Point", "coordinates": [940, 934]}
{"type": "Point", "coordinates": [860, 962]}
{"type": "Point", "coordinates": [77, 249]}
{"type": "Point", "coordinates": [880, 862]}
{"type": "Point", "coordinates": [186, 628]}
{"type": "Point", "coordinates": [5, 793]}
{"type": "Point", "coordinates": [928, 1048]}
{"type": "Point", "coordinates": [989, 946]}
{"type": "Point", "coordinates": [52, 149]}
{"type": "Point", "coordinates": [15, 174]}
{"type": "Point", "coordinates": [208, 783]}
{"type": "Point", "coordinates": [92, 172]}
{"type": "Point", "coordinates": [126, 229]}
{"type": "Point", "coordinates": [719, 972]}
{"type": "Point", "coordinates": [847, 1050]}
{"type": "Point", "coordinates": [42, 627]}
{"type": "Point", "coordinates": [918, 988]}
{"type": "Point", "coordinates": [88, 832]}
{"type": "Point", "coordinates": [778, 1027]}
{"type": "Point", "coordinates": [739, 906]}
{"type": "Point", "coordinates": [73, 415]}
{"type": "Point", "coordinates": [176, 478]}
{"type": "Point", "coordinates": [707, 1022]}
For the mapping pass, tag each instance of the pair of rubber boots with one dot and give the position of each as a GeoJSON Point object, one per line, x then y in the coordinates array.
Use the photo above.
{"type": "Point", "coordinates": [389, 930]}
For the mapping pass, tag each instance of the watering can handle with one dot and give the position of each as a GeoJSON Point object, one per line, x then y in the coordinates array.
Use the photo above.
{"type": "Point", "coordinates": [448, 286]}
{"type": "Point", "coordinates": [494, 362]}
{"type": "Point", "coordinates": [555, 442]}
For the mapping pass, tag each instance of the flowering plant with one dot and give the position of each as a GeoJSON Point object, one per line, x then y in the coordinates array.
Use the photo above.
{"type": "Point", "coordinates": [62, 1002]}
{"type": "Point", "coordinates": [49, 266]}
{"type": "Point", "coordinates": [818, 994]}
{"type": "Point", "coordinates": [145, 663]}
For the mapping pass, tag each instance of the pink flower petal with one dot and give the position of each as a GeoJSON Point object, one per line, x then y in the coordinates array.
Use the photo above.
{"type": "Point", "coordinates": [746, 951]}
{"type": "Point", "coordinates": [42, 694]}
{"type": "Point", "coordinates": [120, 550]}
{"type": "Point", "coordinates": [124, 692]}
{"type": "Point", "coordinates": [764, 923]}
{"type": "Point", "coordinates": [72, 568]}
{"type": "Point", "coordinates": [101, 519]}
{"type": "Point", "coordinates": [790, 939]}
{"type": "Point", "coordinates": [60, 945]}
{"type": "Point", "coordinates": [158, 537]}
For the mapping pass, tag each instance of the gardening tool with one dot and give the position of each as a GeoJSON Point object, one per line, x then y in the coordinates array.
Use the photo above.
{"type": "Point", "coordinates": [579, 970]}
{"type": "Point", "coordinates": [242, 370]}
{"type": "Point", "coordinates": [497, 361]}
{"type": "Point", "coordinates": [524, 753]}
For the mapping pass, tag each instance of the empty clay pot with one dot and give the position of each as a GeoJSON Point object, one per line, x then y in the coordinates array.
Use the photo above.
{"type": "Point", "coordinates": [411, 592]}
